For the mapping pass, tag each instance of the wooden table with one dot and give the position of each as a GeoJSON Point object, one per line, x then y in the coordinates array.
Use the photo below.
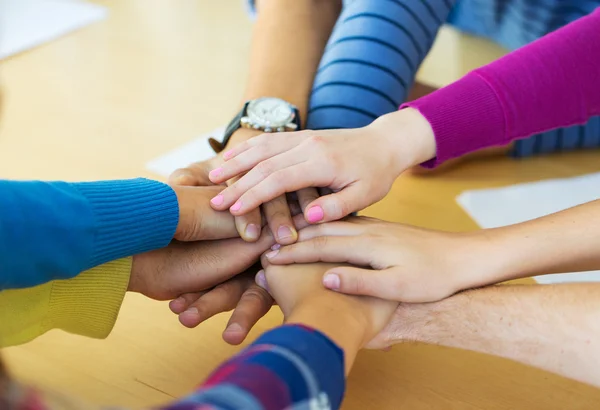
{"type": "Point", "coordinates": [100, 103]}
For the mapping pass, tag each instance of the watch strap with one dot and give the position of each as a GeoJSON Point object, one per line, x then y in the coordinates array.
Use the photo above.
{"type": "Point", "coordinates": [235, 125]}
{"type": "Point", "coordinates": [232, 127]}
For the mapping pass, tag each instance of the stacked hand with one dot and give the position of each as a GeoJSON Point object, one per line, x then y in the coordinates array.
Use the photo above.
{"type": "Point", "coordinates": [277, 212]}
{"type": "Point", "coordinates": [394, 261]}
{"type": "Point", "coordinates": [210, 277]}
{"type": "Point", "coordinates": [358, 165]}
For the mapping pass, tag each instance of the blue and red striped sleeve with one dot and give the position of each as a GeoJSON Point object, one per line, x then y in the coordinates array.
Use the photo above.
{"type": "Point", "coordinates": [290, 367]}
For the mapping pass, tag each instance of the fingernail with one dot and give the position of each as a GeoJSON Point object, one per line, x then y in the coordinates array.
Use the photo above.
{"type": "Point", "coordinates": [218, 200]}
{"type": "Point", "coordinates": [284, 232]}
{"type": "Point", "coordinates": [228, 154]}
{"type": "Point", "coordinates": [272, 253]}
{"type": "Point", "coordinates": [275, 247]}
{"type": "Point", "coordinates": [315, 214]}
{"type": "Point", "coordinates": [331, 281]}
{"type": "Point", "coordinates": [237, 206]}
{"type": "Point", "coordinates": [192, 311]}
{"type": "Point", "coordinates": [176, 305]}
{"type": "Point", "coordinates": [261, 279]}
{"type": "Point", "coordinates": [252, 231]}
{"type": "Point", "coordinates": [215, 172]}
{"type": "Point", "coordinates": [233, 328]}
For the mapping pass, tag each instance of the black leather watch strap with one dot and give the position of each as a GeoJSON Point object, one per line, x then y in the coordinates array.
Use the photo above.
{"type": "Point", "coordinates": [235, 125]}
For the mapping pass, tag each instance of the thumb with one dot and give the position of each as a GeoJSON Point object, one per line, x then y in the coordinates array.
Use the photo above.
{"type": "Point", "coordinates": [197, 220]}
{"type": "Point", "coordinates": [335, 206]}
{"type": "Point", "coordinates": [356, 281]}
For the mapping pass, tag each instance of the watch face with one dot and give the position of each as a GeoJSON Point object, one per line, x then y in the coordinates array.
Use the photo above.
{"type": "Point", "coordinates": [270, 112]}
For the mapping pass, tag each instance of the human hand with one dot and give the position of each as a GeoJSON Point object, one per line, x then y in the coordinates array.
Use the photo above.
{"type": "Point", "coordinates": [350, 321]}
{"type": "Point", "coordinates": [358, 165]}
{"type": "Point", "coordinates": [249, 302]}
{"type": "Point", "coordinates": [192, 267]}
{"type": "Point", "coordinates": [397, 262]}
{"type": "Point", "coordinates": [197, 220]}
{"type": "Point", "coordinates": [276, 212]}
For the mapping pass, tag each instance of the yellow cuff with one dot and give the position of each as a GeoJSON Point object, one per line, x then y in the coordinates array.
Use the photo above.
{"type": "Point", "coordinates": [87, 304]}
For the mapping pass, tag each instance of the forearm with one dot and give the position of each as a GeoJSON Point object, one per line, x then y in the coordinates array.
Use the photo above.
{"type": "Point", "coordinates": [287, 43]}
{"type": "Point", "coordinates": [336, 316]}
{"type": "Point", "coordinates": [567, 241]}
{"type": "Point", "coordinates": [553, 327]}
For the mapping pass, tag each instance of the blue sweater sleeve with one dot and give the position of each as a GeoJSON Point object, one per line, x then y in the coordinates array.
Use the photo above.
{"type": "Point", "coordinates": [54, 230]}
{"type": "Point", "coordinates": [290, 367]}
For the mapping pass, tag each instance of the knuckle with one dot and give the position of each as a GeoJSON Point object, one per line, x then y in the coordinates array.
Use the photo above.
{"type": "Point", "coordinates": [264, 168]}
{"type": "Point", "coordinates": [320, 242]}
{"type": "Point", "coordinates": [256, 294]}
{"type": "Point", "coordinates": [316, 142]}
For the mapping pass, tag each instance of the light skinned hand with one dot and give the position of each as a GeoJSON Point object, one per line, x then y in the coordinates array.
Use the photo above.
{"type": "Point", "coordinates": [358, 165]}
{"type": "Point", "coordinates": [394, 261]}
{"type": "Point", "coordinates": [298, 292]}
{"type": "Point", "coordinates": [249, 225]}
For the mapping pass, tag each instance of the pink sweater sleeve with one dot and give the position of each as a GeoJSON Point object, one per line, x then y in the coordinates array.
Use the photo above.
{"type": "Point", "coordinates": [553, 82]}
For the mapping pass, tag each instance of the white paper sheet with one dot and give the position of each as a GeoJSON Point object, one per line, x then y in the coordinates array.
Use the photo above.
{"type": "Point", "coordinates": [197, 149]}
{"type": "Point", "coordinates": [25, 24]}
{"type": "Point", "coordinates": [492, 208]}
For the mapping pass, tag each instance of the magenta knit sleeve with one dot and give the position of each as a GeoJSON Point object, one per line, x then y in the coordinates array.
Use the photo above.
{"type": "Point", "coordinates": [553, 82]}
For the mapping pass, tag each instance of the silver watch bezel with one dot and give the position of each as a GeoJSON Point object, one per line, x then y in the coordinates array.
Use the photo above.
{"type": "Point", "coordinates": [253, 120]}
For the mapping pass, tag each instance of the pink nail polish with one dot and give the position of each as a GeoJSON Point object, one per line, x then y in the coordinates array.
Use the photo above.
{"type": "Point", "coordinates": [315, 214]}
{"type": "Point", "coordinates": [218, 200]}
{"type": "Point", "coordinates": [237, 206]}
{"type": "Point", "coordinates": [215, 173]}
{"type": "Point", "coordinates": [272, 254]}
{"type": "Point", "coordinates": [228, 154]}
{"type": "Point", "coordinates": [275, 247]}
{"type": "Point", "coordinates": [331, 281]}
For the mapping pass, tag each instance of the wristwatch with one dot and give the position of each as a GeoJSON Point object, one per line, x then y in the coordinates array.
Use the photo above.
{"type": "Point", "coordinates": [267, 114]}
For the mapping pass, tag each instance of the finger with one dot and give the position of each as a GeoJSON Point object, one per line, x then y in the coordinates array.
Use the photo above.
{"type": "Point", "coordinates": [355, 281]}
{"type": "Point", "coordinates": [183, 176]}
{"type": "Point", "coordinates": [270, 154]}
{"type": "Point", "coordinates": [261, 280]}
{"type": "Point", "coordinates": [338, 228]}
{"type": "Point", "coordinates": [181, 304]}
{"type": "Point", "coordinates": [195, 174]}
{"type": "Point", "coordinates": [294, 208]}
{"type": "Point", "coordinates": [207, 263]}
{"type": "Point", "coordinates": [249, 226]}
{"type": "Point", "coordinates": [337, 205]}
{"type": "Point", "coordinates": [300, 222]}
{"type": "Point", "coordinates": [335, 249]}
{"type": "Point", "coordinates": [279, 219]}
{"type": "Point", "coordinates": [290, 179]}
{"type": "Point", "coordinates": [198, 220]}
{"type": "Point", "coordinates": [254, 304]}
{"type": "Point", "coordinates": [222, 298]}
{"type": "Point", "coordinates": [306, 196]}
{"type": "Point", "coordinates": [250, 143]}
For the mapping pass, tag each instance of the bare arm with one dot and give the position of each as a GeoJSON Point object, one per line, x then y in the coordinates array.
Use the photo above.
{"type": "Point", "coordinates": [553, 327]}
{"type": "Point", "coordinates": [566, 241]}
{"type": "Point", "coordinates": [287, 44]}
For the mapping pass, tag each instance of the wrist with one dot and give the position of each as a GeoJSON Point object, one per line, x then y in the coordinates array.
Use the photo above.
{"type": "Point", "coordinates": [407, 136]}
{"type": "Point", "coordinates": [481, 258]}
{"type": "Point", "coordinates": [340, 319]}
{"type": "Point", "coordinates": [427, 322]}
